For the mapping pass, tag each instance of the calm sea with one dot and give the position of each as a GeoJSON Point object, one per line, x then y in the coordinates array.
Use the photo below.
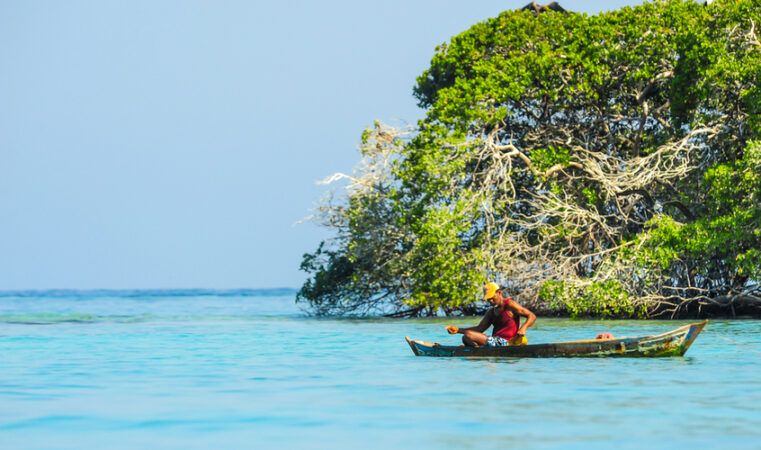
{"type": "Point", "coordinates": [247, 369]}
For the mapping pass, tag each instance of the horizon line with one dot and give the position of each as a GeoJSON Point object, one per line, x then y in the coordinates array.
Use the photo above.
{"type": "Point", "coordinates": [143, 291]}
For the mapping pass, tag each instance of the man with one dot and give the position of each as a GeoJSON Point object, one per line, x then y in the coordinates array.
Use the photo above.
{"type": "Point", "coordinates": [504, 315]}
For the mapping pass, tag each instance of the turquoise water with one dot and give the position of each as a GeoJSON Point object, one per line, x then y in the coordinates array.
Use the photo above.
{"type": "Point", "coordinates": [243, 369]}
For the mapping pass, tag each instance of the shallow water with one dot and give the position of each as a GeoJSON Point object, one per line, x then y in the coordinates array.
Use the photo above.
{"type": "Point", "coordinates": [181, 370]}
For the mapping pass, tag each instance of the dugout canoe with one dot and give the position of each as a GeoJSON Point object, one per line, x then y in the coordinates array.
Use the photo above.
{"type": "Point", "coordinates": [672, 343]}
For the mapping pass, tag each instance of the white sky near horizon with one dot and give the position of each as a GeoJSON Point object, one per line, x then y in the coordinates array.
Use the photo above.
{"type": "Point", "coordinates": [176, 144]}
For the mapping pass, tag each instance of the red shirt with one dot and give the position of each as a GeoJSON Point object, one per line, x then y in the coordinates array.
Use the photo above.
{"type": "Point", "coordinates": [505, 322]}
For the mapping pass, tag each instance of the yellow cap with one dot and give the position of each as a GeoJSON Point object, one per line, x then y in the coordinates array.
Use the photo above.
{"type": "Point", "coordinates": [489, 290]}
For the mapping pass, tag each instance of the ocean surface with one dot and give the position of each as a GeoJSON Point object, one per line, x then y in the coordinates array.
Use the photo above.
{"type": "Point", "coordinates": [249, 369]}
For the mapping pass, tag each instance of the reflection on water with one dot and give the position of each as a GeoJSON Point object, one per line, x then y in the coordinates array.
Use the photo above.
{"type": "Point", "coordinates": [225, 371]}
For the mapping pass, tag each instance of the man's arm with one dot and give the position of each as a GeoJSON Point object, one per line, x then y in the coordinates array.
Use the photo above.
{"type": "Point", "coordinates": [521, 311]}
{"type": "Point", "coordinates": [481, 327]}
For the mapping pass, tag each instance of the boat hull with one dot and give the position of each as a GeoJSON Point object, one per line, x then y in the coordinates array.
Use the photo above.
{"type": "Point", "coordinates": [672, 343]}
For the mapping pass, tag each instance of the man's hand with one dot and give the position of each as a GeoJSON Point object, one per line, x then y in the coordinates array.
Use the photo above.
{"type": "Point", "coordinates": [452, 329]}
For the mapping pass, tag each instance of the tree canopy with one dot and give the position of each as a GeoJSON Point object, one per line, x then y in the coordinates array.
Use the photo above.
{"type": "Point", "coordinates": [605, 165]}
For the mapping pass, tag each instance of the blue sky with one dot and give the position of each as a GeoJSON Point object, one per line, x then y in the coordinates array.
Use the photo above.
{"type": "Point", "coordinates": [176, 144]}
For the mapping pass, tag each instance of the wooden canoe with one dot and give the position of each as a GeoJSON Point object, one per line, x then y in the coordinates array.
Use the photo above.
{"type": "Point", "coordinates": [671, 343]}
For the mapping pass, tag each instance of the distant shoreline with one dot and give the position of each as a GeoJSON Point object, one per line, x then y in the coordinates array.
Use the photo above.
{"type": "Point", "coordinates": [196, 292]}
{"type": "Point", "coordinates": [693, 312]}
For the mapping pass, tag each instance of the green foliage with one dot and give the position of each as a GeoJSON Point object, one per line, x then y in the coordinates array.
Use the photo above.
{"type": "Point", "coordinates": [527, 164]}
{"type": "Point", "coordinates": [607, 299]}
{"type": "Point", "coordinates": [441, 268]}
{"type": "Point", "coordinates": [546, 158]}
{"type": "Point", "coordinates": [725, 242]}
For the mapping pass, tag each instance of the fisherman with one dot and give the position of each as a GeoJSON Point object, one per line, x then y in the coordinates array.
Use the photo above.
{"type": "Point", "coordinates": [504, 315]}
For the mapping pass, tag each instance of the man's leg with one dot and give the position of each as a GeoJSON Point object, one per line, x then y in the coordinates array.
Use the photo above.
{"type": "Point", "coordinates": [473, 338]}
